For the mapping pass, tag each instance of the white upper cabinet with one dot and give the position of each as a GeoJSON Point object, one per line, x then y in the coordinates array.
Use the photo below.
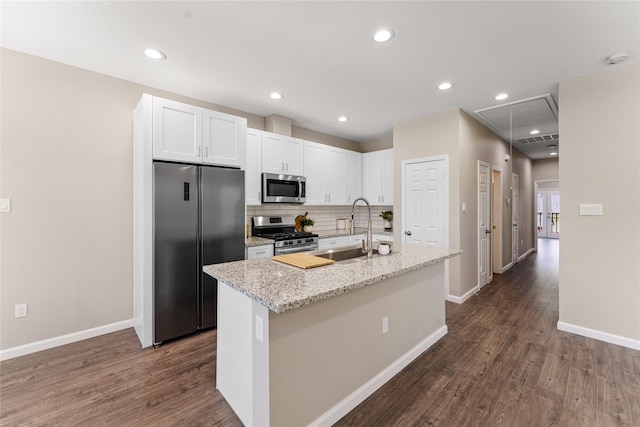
{"type": "Point", "coordinates": [325, 169]}
{"type": "Point", "coordinates": [377, 177]}
{"type": "Point", "coordinates": [354, 176]}
{"type": "Point", "coordinates": [185, 133]}
{"type": "Point", "coordinates": [223, 139]}
{"type": "Point", "coordinates": [253, 175]}
{"type": "Point", "coordinates": [282, 154]}
{"type": "Point", "coordinates": [177, 131]}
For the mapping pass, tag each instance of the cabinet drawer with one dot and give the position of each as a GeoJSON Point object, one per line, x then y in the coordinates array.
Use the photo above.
{"type": "Point", "coordinates": [262, 251]}
{"type": "Point", "coordinates": [333, 242]}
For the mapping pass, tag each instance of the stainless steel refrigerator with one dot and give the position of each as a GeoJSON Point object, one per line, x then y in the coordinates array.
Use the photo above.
{"type": "Point", "coordinates": [199, 219]}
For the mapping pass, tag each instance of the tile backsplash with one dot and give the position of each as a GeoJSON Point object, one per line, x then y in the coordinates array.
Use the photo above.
{"type": "Point", "coordinates": [324, 216]}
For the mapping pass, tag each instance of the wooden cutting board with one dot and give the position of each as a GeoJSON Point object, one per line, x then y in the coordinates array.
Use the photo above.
{"type": "Point", "coordinates": [302, 260]}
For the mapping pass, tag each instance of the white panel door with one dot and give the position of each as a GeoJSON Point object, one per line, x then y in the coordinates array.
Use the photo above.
{"type": "Point", "coordinates": [316, 173]}
{"type": "Point", "coordinates": [424, 201]}
{"type": "Point", "coordinates": [484, 223]}
{"type": "Point", "coordinates": [177, 131]}
{"type": "Point", "coordinates": [253, 174]}
{"type": "Point", "coordinates": [515, 196]}
{"type": "Point", "coordinates": [354, 176]}
{"type": "Point", "coordinates": [272, 153]}
{"type": "Point", "coordinates": [336, 175]}
{"type": "Point", "coordinates": [293, 156]}
{"type": "Point", "coordinates": [224, 139]}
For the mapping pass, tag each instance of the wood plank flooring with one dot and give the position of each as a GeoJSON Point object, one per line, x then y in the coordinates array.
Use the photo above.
{"type": "Point", "coordinates": [503, 363]}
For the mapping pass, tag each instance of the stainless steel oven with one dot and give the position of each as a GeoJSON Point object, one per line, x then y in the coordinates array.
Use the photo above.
{"type": "Point", "coordinates": [283, 188]}
{"type": "Point", "coordinates": [282, 230]}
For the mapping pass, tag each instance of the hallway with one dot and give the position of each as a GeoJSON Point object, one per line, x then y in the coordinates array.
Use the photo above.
{"type": "Point", "coordinates": [503, 362]}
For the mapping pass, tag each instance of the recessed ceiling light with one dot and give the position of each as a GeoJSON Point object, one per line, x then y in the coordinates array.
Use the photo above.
{"type": "Point", "coordinates": [383, 35]}
{"type": "Point", "coordinates": [154, 54]}
{"type": "Point", "coordinates": [553, 154]}
{"type": "Point", "coordinates": [343, 118]}
{"type": "Point", "coordinates": [534, 132]}
{"type": "Point", "coordinates": [501, 96]}
{"type": "Point", "coordinates": [276, 95]}
{"type": "Point", "coordinates": [445, 86]}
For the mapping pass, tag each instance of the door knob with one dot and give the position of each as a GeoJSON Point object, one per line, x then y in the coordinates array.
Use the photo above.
{"type": "Point", "coordinates": [408, 233]}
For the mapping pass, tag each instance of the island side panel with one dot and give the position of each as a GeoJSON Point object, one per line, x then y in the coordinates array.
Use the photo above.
{"type": "Point", "coordinates": [234, 357]}
{"type": "Point", "coordinates": [327, 357]}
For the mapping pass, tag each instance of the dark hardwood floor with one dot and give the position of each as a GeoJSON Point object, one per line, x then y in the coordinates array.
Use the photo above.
{"type": "Point", "coordinates": [502, 363]}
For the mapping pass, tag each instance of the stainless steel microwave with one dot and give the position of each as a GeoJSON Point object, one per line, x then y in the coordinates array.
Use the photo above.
{"type": "Point", "coordinates": [283, 188]}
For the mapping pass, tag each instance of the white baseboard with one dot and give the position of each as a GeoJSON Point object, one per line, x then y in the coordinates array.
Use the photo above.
{"type": "Point", "coordinates": [526, 254]}
{"type": "Point", "coordinates": [358, 396]}
{"type": "Point", "coordinates": [599, 335]}
{"type": "Point", "coordinates": [463, 298]}
{"type": "Point", "coordinates": [34, 347]}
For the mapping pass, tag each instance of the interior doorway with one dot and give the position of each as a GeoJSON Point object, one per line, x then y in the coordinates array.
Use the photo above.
{"type": "Point", "coordinates": [515, 197]}
{"type": "Point", "coordinates": [547, 209]}
{"type": "Point", "coordinates": [496, 220]}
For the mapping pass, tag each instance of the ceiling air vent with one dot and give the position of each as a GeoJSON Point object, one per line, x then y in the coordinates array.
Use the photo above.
{"type": "Point", "coordinates": [539, 138]}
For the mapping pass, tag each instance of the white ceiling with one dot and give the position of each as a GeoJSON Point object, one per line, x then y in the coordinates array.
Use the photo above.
{"type": "Point", "coordinates": [321, 56]}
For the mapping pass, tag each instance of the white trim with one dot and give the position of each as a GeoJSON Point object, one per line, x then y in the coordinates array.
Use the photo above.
{"type": "Point", "coordinates": [526, 254]}
{"type": "Point", "coordinates": [599, 335]}
{"type": "Point", "coordinates": [358, 396]}
{"type": "Point", "coordinates": [506, 267]}
{"type": "Point", "coordinates": [489, 203]}
{"type": "Point", "coordinates": [499, 224]}
{"type": "Point", "coordinates": [463, 298]}
{"type": "Point", "coordinates": [34, 347]}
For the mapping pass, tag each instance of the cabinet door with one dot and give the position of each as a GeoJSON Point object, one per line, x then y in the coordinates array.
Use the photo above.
{"type": "Point", "coordinates": [262, 251]}
{"type": "Point", "coordinates": [253, 175]}
{"type": "Point", "coordinates": [272, 153]}
{"type": "Point", "coordinates": [315, 166]}
{"type": "Point", "coordinates": [386, 166]}
{"type": "Point", "coordinates": [177, 131]}
{"type": "Point", "coordinates": [354, 176]}
{"type": "Point", "coordinates": [336, 164]}
{"type": "Point", "coordinates": [293, 156]}
{"type": "Point", "coordinates": [223, 139]}
{"type": "Point", "coordinates": [372, 178]}
{"type": "Point", "coordinates": [356, 239]}
{"type": "Point", "coordinates": [333, 242]}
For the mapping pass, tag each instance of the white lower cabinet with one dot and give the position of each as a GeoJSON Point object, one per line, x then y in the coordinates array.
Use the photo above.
{"type": "Point", "coordinates": [262, 251]}
{"type": "Point", "coordinates": [333, 242]}
{"type": "Point", "coordinates": [357, 239]}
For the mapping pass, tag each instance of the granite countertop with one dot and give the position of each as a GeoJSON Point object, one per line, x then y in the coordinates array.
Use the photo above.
{"type": "Point", "coordinates": [281, 287]}
{"type": "Point", "coordinates": [257, 241]}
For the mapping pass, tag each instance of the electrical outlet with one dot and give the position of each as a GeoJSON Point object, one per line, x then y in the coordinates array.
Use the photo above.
{"type": "Point", "coordinates": [385, 325]}
{"type": "Point", "coordinates": [21, 310]}
{"type": "Point", "coordinates": [259, 328]}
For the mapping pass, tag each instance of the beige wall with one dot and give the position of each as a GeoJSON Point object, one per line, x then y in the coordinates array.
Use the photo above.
{"type": "Point", "coordinates": [430, 136]}
{"type": "Point", "coordinates": [599, 268]}
{"type": "Point", "coordinates": [546, 169]}
{"type": "Point", "coordinates": [66, 165]}
{"type": "Point", "coordinates": [465, 141]}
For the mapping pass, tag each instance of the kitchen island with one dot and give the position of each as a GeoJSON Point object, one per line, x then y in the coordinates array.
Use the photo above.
{"type": "Point", "coordinates": [304, 347]}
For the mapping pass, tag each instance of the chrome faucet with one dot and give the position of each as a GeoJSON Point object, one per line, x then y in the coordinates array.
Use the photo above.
{"type": "Point", "coordinates": [368, 247]}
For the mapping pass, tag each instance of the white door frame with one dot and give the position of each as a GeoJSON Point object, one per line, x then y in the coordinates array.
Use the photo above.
{"type": "Point", "coordinates": [496, 218]}
{"type": "Point", "coordinates": [514, 205]}
{"type": "Point", "coordinates": [535, 206]}
{"type": "Point", "coordinates": [445, 158]}
{"type": "Point", "coordinates": [487, 225]}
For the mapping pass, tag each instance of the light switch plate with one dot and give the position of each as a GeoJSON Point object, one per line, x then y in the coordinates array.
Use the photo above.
{"type": "Point", "coordinates": [591, 209]}
{"type": "Point", "coordinates": [5, 205]}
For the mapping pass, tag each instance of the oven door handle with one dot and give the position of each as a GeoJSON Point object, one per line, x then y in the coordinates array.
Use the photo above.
{"type": "Point", "coordinates": [307, 248]}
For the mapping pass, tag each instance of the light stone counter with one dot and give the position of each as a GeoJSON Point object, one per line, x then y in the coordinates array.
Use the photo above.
{"type": "Point", "coordinates": [281, 287]}
{"type": "Point", "coordinates": [257, 241]}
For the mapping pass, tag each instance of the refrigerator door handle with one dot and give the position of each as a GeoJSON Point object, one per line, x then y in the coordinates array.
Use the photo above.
{"type": "Point", "coordinates": [186, 191]}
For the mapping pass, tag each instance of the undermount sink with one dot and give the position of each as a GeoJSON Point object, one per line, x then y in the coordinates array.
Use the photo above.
{"type": "Point", "coordinates": [349, 253]}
